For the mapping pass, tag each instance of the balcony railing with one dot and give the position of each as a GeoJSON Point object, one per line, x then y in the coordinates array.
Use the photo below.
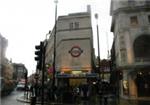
{"type": "Point", "coordinates": [142, 59]}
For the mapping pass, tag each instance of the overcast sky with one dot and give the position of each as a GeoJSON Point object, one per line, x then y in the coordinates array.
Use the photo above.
{"type": "Point", "coordinates": [26, 22]}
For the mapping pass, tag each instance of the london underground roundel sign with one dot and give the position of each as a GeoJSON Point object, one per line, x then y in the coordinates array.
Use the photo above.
{"type": "Point", "coordinates": [75, 51]}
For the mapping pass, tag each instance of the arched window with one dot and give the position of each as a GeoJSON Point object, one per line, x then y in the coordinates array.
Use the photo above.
{"type": "Point", "coordinates": [142, 47]}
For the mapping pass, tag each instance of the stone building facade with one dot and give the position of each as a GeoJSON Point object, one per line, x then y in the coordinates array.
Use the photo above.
{"type": "Point", "coordinates": [3, 46]}
{"type": "Point", "coordinates": [74, 45]}
{"type": "Point", "coordinates": [19, 71]}
{"type": "Point", "coordinates": [6, 70]}
{"type": "Point", "coordinates": [131, 28]}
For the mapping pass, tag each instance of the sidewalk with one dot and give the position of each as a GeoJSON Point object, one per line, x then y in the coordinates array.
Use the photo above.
{"type": "Point", "coordinates": [121, 101]}
{"type": "Point", "coordinates": [110, 101]}
{"type": "Point", "coordinates": [25, 100]}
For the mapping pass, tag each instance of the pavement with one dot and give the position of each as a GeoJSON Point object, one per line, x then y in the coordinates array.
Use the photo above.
{"type": "Point", "coordinates": [110, 101]}
{"type": "Point", "coordinates": [25, 100]}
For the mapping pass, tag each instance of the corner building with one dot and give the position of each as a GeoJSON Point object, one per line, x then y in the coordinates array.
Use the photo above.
{"type": "Point", "coordinates": [3, 46]}
{"type": "Point", "coordinates": [131, 28]}
{"type": "Point", "coordinates": [74, 49]}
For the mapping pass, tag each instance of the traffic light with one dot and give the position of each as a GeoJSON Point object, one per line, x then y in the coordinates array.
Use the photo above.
{"type": "Point", "coordinates": [120, 74]}
{"type": "Point", "coordinates": [39, 55]}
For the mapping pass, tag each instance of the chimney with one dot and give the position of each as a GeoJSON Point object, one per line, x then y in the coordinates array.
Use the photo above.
{"type": "Point", "coordinates": [89, 8]}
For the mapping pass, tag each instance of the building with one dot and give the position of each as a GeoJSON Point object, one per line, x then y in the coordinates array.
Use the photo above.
{"type": "Point", "coordinates": [3, 46]}
{"type": "Point", "coordinates": [74, 47]}
{"type": "Point", "coordinates": [105, 69]}
{"type": "Point", "coordinates": [19, 71]}
{"type": "Point", "coordinates": [131, 28]}
{"type": "Point", "coordinates": [6, 70]}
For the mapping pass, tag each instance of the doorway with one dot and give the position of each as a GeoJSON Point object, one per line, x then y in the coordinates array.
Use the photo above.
{"type": "Point", "coordinates": [143, 83]}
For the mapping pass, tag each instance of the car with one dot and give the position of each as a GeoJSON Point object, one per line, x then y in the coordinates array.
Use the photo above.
{"type": "Point", "coordinates": [20, 86]}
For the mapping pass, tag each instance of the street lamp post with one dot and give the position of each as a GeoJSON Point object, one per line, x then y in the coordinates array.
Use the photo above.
{"type": "Point", "coordinates": [45, 47]}
{"type": "Point", "coordinates": [96, 17]}
{"type": "Point", "coordinates": [55, 30]}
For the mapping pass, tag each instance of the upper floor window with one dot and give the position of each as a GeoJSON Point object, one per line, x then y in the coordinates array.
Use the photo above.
{"type": "Point", "coordinates": [141, 47]}
{"type": "Point", "coordinates": [131, 1]}
{"type": "Point", "coordinates": [147, 2]}
{"type": "Point", "coordinates": [122, 42]}
{"type": "Point", "coordinates": [74, 25]}
{"type": "Point", "coordinates": [133, 21]}
{"type": "Point", "coordinates": [149, 18]}
{"type": "Point", "coordinates": [123, 55]}
{"type": "Point", "coordinates": [71, 26]}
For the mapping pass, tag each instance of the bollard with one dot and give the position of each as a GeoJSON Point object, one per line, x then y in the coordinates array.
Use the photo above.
{"type": "Point", "coordinates": [33, 100]}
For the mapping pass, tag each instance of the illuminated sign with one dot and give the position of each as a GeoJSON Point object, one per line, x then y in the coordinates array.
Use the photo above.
{"type": "Point", "coordinates": [82, 75]}
{"type": "Point", "coordinates": [75, 51]}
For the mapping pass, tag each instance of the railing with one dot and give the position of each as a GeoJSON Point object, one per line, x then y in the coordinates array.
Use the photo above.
{"type": "Point", "coordinates": [142, 59]}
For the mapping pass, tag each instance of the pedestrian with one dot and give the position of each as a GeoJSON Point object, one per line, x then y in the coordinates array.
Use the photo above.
{"type": "Point", "coordinates": [55, 93]}
{"type": "Point", "coordinates": [85, 91]}
{"type": "Point", "coordinates": [105, 100]}
{"type": "Point", "coordinates": [31, 90]}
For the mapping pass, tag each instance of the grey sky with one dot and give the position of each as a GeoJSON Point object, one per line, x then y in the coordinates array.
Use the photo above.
{"type": "Point", "coordinates": [26, 22]}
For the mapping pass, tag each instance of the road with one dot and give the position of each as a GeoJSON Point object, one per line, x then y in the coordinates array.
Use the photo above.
{"type": "Point", "coordinates": [12, 100]}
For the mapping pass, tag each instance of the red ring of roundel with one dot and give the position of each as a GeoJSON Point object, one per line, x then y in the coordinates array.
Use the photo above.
{"type": "Point", "coordinates": [78, 53]}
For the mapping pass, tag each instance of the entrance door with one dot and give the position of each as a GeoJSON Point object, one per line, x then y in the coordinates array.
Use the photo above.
{"type": "Point", "coordinates": [143, 84]}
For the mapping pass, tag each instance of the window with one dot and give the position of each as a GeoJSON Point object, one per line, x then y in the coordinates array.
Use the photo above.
{"type": "Point", "coordinates": [149, 18]}
{"type": "Point", "coordinates": [123, 55]}
{"type": "Point", "coordinates": [142, 46]}
{"type": "Point", "coordinates": [121, 41]}
{"type": "Point", "coordinates": [131, 1]}
{"type": "Point", "coordinates": [71, 26]}
{"type": "Point", "coordinates": [147, 2]}
{"type": "Point", "coordinates": [76, 25]}
{"type": "Point", "coordinates": [134, 20]}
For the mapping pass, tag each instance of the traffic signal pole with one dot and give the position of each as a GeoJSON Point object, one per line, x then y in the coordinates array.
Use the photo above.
{"type": "Point", "coordinates": [40, 58]}
{"type": "Point", "coordinates": [43, 70]}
